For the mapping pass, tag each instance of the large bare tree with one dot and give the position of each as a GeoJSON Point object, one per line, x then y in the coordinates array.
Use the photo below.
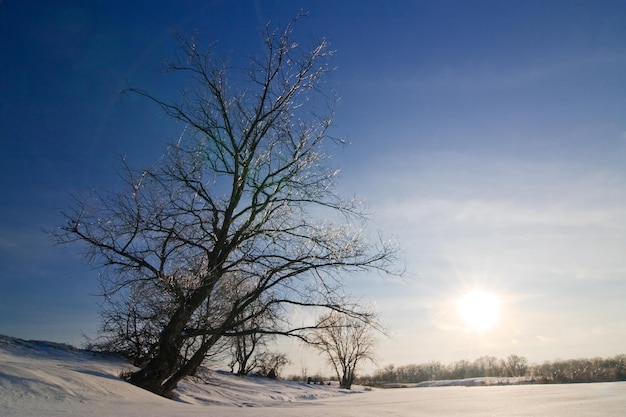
{"type": "Point", "coordinates": [240, 216]}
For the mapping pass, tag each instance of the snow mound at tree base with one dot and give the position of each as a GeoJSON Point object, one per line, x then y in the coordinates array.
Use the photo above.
{"type": "Point", "coordinates": [224, 388]}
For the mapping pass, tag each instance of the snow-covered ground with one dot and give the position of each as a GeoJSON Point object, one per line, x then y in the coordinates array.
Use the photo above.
{"type": "Point", "coordinates": [47, 379]}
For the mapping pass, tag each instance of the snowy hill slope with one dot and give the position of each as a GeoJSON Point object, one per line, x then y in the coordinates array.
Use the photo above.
{"type": "Point", "coordinates": [43, 378]}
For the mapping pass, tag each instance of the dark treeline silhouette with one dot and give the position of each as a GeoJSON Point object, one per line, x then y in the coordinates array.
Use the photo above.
{"type": "Point", "coordinates": [557, 371]}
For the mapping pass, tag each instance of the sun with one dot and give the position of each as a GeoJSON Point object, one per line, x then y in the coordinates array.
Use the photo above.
{"type": "Point", "coordinates": [480, 310]}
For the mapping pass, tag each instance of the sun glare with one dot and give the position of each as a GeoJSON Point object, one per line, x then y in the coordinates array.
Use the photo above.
{"type": "Point", "coordinates": [479, 310]}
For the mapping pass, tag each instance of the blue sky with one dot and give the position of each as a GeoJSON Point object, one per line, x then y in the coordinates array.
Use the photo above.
{"type": "Point", "coordinates": [488, 137]}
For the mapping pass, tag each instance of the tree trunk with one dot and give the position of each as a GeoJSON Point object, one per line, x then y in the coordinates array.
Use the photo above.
{"type": "Point", "coordinates": [152, 375]}
{"type": "Point", "coordinates": [189, 367]}
{"type": "Point", "coordinates": [166, 363]}
{"type": "Point", "coordinates": [156, 371]}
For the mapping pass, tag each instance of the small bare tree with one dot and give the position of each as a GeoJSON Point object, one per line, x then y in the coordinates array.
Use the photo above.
{"type": "Point", "coordinates": [515, 365]}
{"type": "Point", "coordinates": [240, 212]}
{"type": "Point", "coordinates": [245, 351]}
{"type": "Point", "coordinates": [271, 364]}
{"type": "Point", "coordinates": [247, 347]}
{"type": "Point", "coordinates": [346, 342]}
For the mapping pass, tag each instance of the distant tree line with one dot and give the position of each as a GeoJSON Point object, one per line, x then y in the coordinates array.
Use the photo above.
{"type": "Point", "coordinates": [581, 370]}
{"type": "Point", "coordinates": [557, 371]}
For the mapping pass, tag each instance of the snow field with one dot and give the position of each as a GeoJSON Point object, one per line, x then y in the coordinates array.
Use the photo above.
{"type": "Point", "coordinates": [46, 379]}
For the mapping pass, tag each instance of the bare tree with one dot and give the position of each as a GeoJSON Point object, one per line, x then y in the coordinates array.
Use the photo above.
{"type": "Point", "coordinates": [245, 351]}
{"type": "Point", "coordinates": [346, 341]}
{"type": "Point", "coordinates": [271, 364]}
{"type": "Point", "coordinates": [241, 209]}
{"type": "Point", "coordinates": [488, 366]}
{"type": "Point", "coordinates": [515, 365]}
{"type": "Point", "coordinates": [247, 348]}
